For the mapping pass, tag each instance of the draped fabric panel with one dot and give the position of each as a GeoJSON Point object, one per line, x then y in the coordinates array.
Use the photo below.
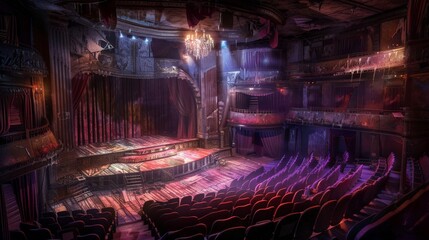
{"type": "Point", "coordinates": [273, 142]}
{"type": "Point", "coordinates": [28, 109]}
{"type": "Point", "coordinates": [24, 96]}
{"type": "Point", "coordinates": [243, 141]}
{"type": "Point", "coordinates": [415, 18]}
{"type": "Point", "coordinates": [210, 100]}
{"type": "Point", "coordinates": [5, 105]}
{"type": "Point", "coordinates": [26, 192]}
{"type": "Point", "coordinates": [112, 108]}
{"type": "Point", "coordinates": [79, 84]}
{"type": "Point", "coordinates": [182, 98]}
{"type": "Point", "coordinates": [196, 13]}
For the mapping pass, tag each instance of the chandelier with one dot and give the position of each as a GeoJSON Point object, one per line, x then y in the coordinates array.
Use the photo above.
{"type": "Point", "coordinates": [198, 44]}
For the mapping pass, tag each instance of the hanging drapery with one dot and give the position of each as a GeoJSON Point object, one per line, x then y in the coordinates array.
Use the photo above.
{"type": "Point", "coordinates": [243, 141]}
{"type": "Point", "coordinates": [112, 108]}
{"type": "Point", "coordinates": [416, 17]}
{"type": "Point", "coordinates": [79, 84]}
{"type": "Point", "coordinates": [26, 192]}
{"type": "Point", "coordinates": [108, 13]}
{"type": "Point", "coordinates": [28, 109]}
{"type": "Point", "coordinates": [5, 105]}
{"type": "Point", "coordinates": [182, 98]}
{"type": "Point", "coordinates": [273, 142]}
{"type": "Point", "coordinates": [194, 13]}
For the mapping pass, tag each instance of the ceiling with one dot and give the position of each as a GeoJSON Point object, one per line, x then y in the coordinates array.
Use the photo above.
{"type": "Point", "coordinates": [167, 19]}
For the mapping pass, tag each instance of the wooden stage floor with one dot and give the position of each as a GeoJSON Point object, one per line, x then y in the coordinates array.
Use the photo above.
{"type": "Point", "coordinates": [128, 203]}
{"type": "Point", "coordinates": [181, 158]}
{"type": "Point", "coordinates": [125, 145]}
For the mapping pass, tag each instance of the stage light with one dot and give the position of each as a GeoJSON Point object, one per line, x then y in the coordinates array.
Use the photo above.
{"type": "Point", "coordinates": [121, 35]}
{"type": "Point", "coordinates": [223, 44]}
{"type": "Point", "coordinates": [133, 37]}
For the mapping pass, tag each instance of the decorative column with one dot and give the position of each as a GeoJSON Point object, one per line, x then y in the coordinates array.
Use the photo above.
{"type": "Point", "coordinates": [61, 87]}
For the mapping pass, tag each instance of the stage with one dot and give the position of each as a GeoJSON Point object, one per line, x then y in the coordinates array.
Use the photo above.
{"type": "Point", "coordinates": [130, 163]}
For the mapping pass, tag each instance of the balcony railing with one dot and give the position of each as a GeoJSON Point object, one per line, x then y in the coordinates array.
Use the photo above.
{"type": "Point", "coordinates": [368, 119]}
{"type": "Point", "coordinates": [256, 118]}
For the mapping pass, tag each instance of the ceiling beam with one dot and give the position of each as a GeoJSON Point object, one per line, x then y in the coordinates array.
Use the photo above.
{"type": "Point", "coordinates": [361, 5]}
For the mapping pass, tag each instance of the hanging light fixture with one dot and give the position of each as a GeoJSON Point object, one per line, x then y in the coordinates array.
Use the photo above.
{"type": "Point", "coordinates": [198, 44]}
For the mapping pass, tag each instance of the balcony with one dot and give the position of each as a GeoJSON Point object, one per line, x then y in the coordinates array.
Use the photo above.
{"type": "Point", "coordinates": [28, 147]}
{"type": "Point", "coordinates": [255, 118]}
{"type": "Point", "coordinates": [391, 122]}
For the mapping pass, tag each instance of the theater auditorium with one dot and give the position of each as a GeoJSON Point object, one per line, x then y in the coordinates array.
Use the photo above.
{"type": "Point", "coordinates": [214, 119]}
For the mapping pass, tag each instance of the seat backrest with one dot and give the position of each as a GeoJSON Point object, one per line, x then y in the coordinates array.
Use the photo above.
{"type": "Point", "coordinates": [304, 229]}
{"type": "Point", "coordinates": [222, 224]}
{"type": "Point", "coordinates": [40, 234]}
{"type": "Point", "coordinates": [275, 201]}
{"type": "Point", "coordinates": [92, 211]}
{"type": "Point", "coordinates": [199, 228]}
{"type": "Point", "coordinates": [340, 209]}
{"type": "Point", "coordinates": [180, 222]}
{"type": "Point", "coordinates": [263, 214]}
{"type": "Point", "coordinates": [186, 200]}
{"type": "Point", "coordinates": [197, 236]}
{"type": "Point", "coordinates": [95, 228]}
{"type": "Point", "coordinates": [198, 197]}
{"type": "Point", "coordinates": [91, 236]}
{"type": "Point", "coordinates": [261, 230]}
{"type": "Point", "coordinates": [285, 226]}
{"type": "Point", "coordinates": [324, 217]}
{"type": "Point", "coordinates": [297, 196]}
{"type": "Point", "coordinates": [283, 209]}
{"type": "Point", "coordinates": [287, 197]}
{"type": "Point", "coordinates": [209, 218]}
{"type": "Point", "coordinates": [258, 205]}
{"type": "Point", "coordinates": [236, 233]}
{"type": "Point", "coordinates": [301, 206]}
{"type": "Point", "coordinates": [242, 211]}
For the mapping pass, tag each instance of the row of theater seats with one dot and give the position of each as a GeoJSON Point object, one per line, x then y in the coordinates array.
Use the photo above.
{"type": "Point", "coordinates": [244, 213]}
{"type": "Point", "coordinates": [92, 224]}
{"type": "Point", "coordinates": [407, 218]}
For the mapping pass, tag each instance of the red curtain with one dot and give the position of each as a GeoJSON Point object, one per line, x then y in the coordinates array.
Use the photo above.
{"type": "Point", "coordinates": [182, 98]}
{"type": "Point", "coordinates": [243, 141]}
{"type": "Point", "coordinates": [273, 142]}
{"type": "Point", "coordinates": [26, 192]}
{"type": "Point", "coordinates": [108, 13]}
{"type": "Point", "coordinates": [114, 108]}
{"type": "Point", "coordinates": [5, 104]}
{"type": "Point", "coordinates": [79, 84]}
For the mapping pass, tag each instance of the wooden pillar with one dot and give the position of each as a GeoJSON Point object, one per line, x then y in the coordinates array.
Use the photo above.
{"type": "Point", "coordinates": [60, 75]}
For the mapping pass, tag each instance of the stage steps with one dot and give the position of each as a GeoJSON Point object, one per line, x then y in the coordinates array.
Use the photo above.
{"type": "Point", "coordinates": [80, 191]}
{"type": "Point", "coordinates": [133, 181]}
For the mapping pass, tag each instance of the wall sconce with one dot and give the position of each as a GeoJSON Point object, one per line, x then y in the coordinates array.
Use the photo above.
{"type": "Point", "coordinates": [38, 89]}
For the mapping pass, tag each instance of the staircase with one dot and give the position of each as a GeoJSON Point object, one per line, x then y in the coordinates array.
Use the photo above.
{"type": "Point", "coordinates": [80, 191]}
{"type": "Point", "coordinates": [133, 181]}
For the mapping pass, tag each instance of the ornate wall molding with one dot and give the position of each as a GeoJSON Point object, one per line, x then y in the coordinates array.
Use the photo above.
{"type": "Point", "coordinates": [21, 60]}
